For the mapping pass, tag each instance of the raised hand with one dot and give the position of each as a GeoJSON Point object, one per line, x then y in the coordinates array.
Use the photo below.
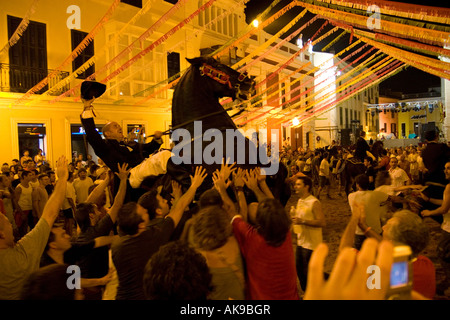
{"type": "Point", "coordinates": [62, 169]}
{"type": "Point", "coordinates": [226, 169]}
{"type": "Point", "coordinates": [238, 178]}
{"type": "Point", "coordinates": [176, 190]}
{"type": "Point", "coordinates": [123, 171]}
{"type": "Point", "coordinates": [199, 176]}
{"type": "Point", "coordinates": [219, 181]}
{"type": "Point", "coordinates": [251, 180]}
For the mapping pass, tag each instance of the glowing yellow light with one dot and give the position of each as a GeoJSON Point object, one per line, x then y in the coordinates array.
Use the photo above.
{"type": "Point", "coordinates": [295, 121]}
{"type": "Point", "coordinates": [255, 23]}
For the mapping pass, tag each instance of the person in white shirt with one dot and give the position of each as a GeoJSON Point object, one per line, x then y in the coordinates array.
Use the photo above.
{"type": "Point", "coordinates": [324, 176]}
{"type": "Point", "coordinates": [82, 185]}
{"type": "Point", "coordinates": [308, 222]}
{"type": "Point", "coordinates": [375, 204]}
{"type": "Point", "coordinates": [398, 175]}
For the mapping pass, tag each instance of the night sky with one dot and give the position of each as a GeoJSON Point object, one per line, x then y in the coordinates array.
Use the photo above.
{"type": "Point", "coordinates": [411, 80]}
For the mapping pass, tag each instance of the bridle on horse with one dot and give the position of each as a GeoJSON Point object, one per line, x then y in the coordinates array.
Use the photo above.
{"type": "Point", "coordinates": [221, 77]}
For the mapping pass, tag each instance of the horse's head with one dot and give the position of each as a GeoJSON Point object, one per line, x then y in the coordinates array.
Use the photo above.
{"type": "Point", "coordinates": [235, 84]}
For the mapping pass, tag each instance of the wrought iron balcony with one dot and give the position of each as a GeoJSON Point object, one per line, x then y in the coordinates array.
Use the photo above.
{"type": "Point", "coordinates": [21, 79]}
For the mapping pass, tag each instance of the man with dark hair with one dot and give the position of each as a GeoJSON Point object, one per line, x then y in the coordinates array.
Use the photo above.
{"type": "Point", "coordinates": [143, 228]}
{"type": "Point", "coordinates": [308, 222]}
{"type": "Point", "coordinates": [87, 216]}
{"type": "Point", "coordinates": [435, 156]}
{"type": "Point", "coordinates": [49, 283]}
{"type": "Point", "coordinates": [82, 184]}
{"type": "Point", "coordinates": [362, 147]}
{"type": "Point", "coordinates": [40, 195]}
{"type": "Point", "coordinates": [177, 272]}
{"type": "Point", "coordinates": [23, 201]}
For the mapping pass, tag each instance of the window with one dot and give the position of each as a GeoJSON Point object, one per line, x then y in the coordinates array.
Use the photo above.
{"type": "Point", "coordinates": [404, 130]}
{"type": "Point", "coordinates": [85, 55]}
{"type": "Point", "coordinates": [173, 64]}
{"type": "Point", "coordinates": [134, 3]}
{"type": "Point", "coordinates": [28, 57]}
{"type": "Point", "coordinates": [32, 138]}
{"type": "Point", "coordinates": [341, 117]}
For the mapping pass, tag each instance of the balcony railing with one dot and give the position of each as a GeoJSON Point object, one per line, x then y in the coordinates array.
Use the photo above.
{"type": "Point", "coordinates": [21, 79]}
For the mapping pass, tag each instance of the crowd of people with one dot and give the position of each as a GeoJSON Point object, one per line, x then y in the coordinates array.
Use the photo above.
{"type": "Point", "coordinates": [221, 244]}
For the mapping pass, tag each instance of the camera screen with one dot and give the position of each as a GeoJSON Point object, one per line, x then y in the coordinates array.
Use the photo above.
{"type": "Point", "coordinates": [399, 274]}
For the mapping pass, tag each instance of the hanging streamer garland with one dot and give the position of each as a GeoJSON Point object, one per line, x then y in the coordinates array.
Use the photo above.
{"type": "Point", "coordinates": [140, 54]}
{"type": "Point", "coordinates": [369, 60]}
{"type": "Point", "coordinates": [309, 72]}
{"type": "Point", "coordinates": [83, 44]}
{"type": "Point", "coordinates": [66, 81]}
{"type": "Point", "coordinates": [332, 102]}
{"type": "Point", "coordinates": [383, 76]}
{"type": "Point", "coordinates": [344, 32]}
{"type": "Point", "coordinates": [23, 25]}
{"type": "Point", "coordinates": [429, 36]}
{"type": "Point", "coordinates": [405, 10]}
{"type": "Point", "coordinates": [289, 61]}
{"type": "Point", "coordinates": [365, 74]}
{"type": "Point", "coordinates": [427, 49]}
{"type": "Point", "coordinates": [433, 66]}
{"type": "Point", "coordinates": [261, 26]}
{"type": "Point", "coordinates": [372, 59]}
{"type": "Point", "coordinates": [374, 11]}
{"type": "Point", "coordinates": [279, 44]}
{"type": "Point", "coordinates": [438, 68]}
{"type": "Point", "coordinates": [267, 43]}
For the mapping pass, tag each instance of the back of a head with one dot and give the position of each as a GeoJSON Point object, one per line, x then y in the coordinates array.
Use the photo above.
{"type": "Point", "coordinates": [272, 222]}
{"type": "Point", "coordinates": [362, 180]}
{"type": "Point", "coordinates": [211, 228]}
{"type": "Point", "coordinates": [48, 283]}
{"type": "Point", "coordinates": [82, 212]}
{"type": "Point", "coordinates": [177, 272]}
{"type": "Point", "coordinates": [128, 220]}
{"type": "Point", "coordinates": [210, 197]}
{"type": "Point", "coordinates": [431, 135]}
{"type": "Point", "coordinates": [410, 230]}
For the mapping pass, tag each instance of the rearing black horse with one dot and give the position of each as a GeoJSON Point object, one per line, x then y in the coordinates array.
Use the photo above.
{"type": "Point", "coordinates": [202, 127]}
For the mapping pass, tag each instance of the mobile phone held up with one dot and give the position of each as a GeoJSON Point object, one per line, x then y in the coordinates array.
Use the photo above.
{"type": "Point", "coordinates": [401, 274]}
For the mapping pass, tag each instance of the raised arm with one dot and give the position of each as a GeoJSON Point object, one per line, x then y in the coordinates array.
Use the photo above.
{"type": "Point", "coordinates": [120, 196]}
{"type": "Point", "coordinates": [54, 203]}
{"type": "Point", "coordinates": [98, 191]}
{"type": "Point", "coordinates": [221, 186]}
{"type": "Point", "coordinates": [238, 181]}
{"type": "Point", "coordinates": [186, 199]}
{"type": "Point", "coordinates": [445, 206]}
{"type": "Point", "coordinates": [251, 181]}
{"type": "Point", "coordinates": [262, 183]}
